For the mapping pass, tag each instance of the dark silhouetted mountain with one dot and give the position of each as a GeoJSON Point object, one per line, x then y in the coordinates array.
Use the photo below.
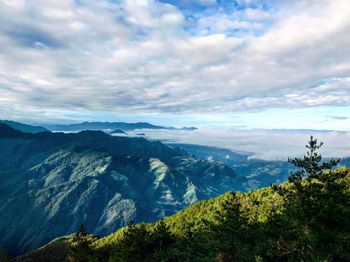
{"type": "Point", "coordinates": [9, 132]}
{"type": "Point", "coordinates": [117, 131]}
{"type": "Point", "coordinates": [192, 128]}
{"type": "Point", "coordinates": [110, 126]}
{"type": "Point", "coordinates": [24, 128]}
{"type": "Point", "coordinates": [50, 183]}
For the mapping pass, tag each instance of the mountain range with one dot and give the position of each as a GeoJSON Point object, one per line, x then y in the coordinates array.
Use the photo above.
{"type": "Point", "coordinates": [104, 182]}
{"type": "Point", "coordinates": [52, 182]}
{"type": "Point", "coordinates": [24, 128]}
{"type": "Point", "coordinates": [111, 126]}
{"type": "Point", "coordinates": [269, 224]}
{"type": "Point", "coordinates": [259, 173]}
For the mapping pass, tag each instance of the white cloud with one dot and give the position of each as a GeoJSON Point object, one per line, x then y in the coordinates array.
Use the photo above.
{"type": "Point", "coordinates": [261, 143]}
{"type": "Point", "coordinates": [223, 23]}
{"type": "Point", "coordinates": [256, 14]}
{"type": "Point", "coordinates": [205, 49]}
{"type": "Point", "coordinates": [148, 56]}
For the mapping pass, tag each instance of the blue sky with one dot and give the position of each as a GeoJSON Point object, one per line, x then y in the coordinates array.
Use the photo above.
{"type": "Point", "coordinates": [244, 63]}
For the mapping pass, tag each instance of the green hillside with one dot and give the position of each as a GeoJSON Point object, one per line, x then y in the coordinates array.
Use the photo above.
{"type": "Point", "coordinates": [260, 225]}
{"type": "Point", "coordinates": [303, 220]}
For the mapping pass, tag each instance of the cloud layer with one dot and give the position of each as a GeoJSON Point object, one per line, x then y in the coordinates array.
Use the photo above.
{"type": "Point", "coordinates": [260, 143]}
{"type": "Point", "coordinates": [147, 56]}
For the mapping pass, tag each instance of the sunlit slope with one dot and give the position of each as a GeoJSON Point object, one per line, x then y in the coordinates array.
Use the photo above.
{"type": "Point", "coordinates": [50, 183]}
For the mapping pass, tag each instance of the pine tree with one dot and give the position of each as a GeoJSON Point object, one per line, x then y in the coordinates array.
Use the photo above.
{"type": "Point", "coordinates": [304, 200]}
{"type": "Point", "coordinates": [231, 230]}
{"type": "Point", "coordinates": [80, 235]}
{"type": "Point", "coordinates": [80, 250]}
{"type": "Point", "coordinates": [162, 236]}
{"type": "Point", "coordinates": [162, 240]}
{"type": "Point", "coordinates": [311, 165]}
{"type": "Point", "coordinates": [307, 182]}
{"type": "Point", "coordinates": [135, 245]}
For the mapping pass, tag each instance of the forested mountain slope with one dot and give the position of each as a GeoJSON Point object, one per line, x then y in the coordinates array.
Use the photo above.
{"type": "Point", "coordinates": [305, 219]}
{"type": "Point", "coordinates": [50, 183]}
{"type": "Point", "coordinates": [263, 225]}
{"type": "Point", "coordinates": [23, 127]}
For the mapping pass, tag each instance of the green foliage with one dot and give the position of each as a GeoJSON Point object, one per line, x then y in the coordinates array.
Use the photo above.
{"type": "Point", "coordinates": [303, 220]}
{"type": "Point", "coordinates": [80, 246]}
{"type": "Point", "coordinates": [140, 243]}
{"type": "Point", "coordinates": [57, 250]}
{"type": "Point", "coordinates": [5, 257]}
{"type": "Point", "coordinates": [311, 165]}
{"type": "Point", "coordinates": [257, 226]}
{"type": "Point", "coordinates": [311, 203]}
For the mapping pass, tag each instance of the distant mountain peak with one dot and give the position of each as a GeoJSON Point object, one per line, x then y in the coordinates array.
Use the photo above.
{"type": "Point", "coordinates": [24, 127]}
{"type": "Point", "coordinates": [8, 132]}
{"type": "Point", "coordinates": [117, 131]}
{"type": "Point", "coordinates": [124, 126]}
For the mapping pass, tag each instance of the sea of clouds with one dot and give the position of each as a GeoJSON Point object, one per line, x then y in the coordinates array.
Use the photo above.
{"type": "Point", "coordinates": [273, 144]}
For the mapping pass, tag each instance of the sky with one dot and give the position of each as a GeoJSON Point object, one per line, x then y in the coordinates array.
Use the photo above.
{"type": "Point", "coordinates": [260, 64]}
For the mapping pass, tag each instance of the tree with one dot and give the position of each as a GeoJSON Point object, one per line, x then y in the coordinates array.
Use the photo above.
{"type": "Point", "coordinates": [162, 237]}
{"type": "Point", "coordinates": [232, 231]}
{"type": "Point", "coordinates": [308, 181]}
{"type": "Point", "coordinates": [311, 165]}
{"type": "Point", "coordinates": [134, 245]}
{"type": "Point", "coordinates": [5, 256]}
{"type": "Point", "coordinates": [80, 249]}
{"type": "Point", "coordinates": [161, 242]}
{"type": "Point", "coordinates": [80, 235]}
{"type": "Point", "coordinates": [307, 199]}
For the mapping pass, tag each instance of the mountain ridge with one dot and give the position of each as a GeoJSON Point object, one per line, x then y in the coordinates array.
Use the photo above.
{"type": "Point", "coordinates": [255, 226]}
{"type": "Point", "coordinates": [24, 127]}
{"type": "Point", "coordinates": [93, 178]}
{"type": "Point", "coordinates": [124, 126]}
